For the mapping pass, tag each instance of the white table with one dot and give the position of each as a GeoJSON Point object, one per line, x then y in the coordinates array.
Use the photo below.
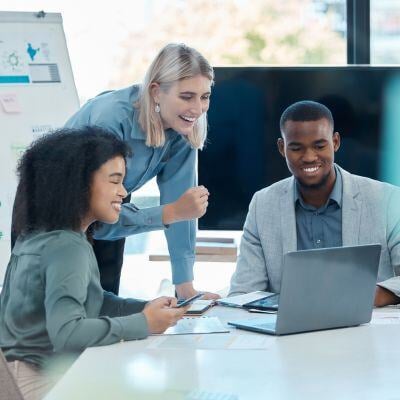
{"type": "Point", "coordinates": [350, 363]}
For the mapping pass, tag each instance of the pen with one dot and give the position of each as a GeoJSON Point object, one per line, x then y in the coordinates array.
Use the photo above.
{"type": "Point", "coordinates": [255, 310]}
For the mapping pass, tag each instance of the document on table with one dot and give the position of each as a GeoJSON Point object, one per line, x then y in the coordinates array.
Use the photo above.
{"type": "Point", "coordinates": [238, 301]}
{"type": "Point", "coordinates": [196, 325]}
{"type": "Point", "coordinates": [243, 341]}
{"type": "Point", "coordinates": [386, 316]}
{"type": "Point", "coordinates": [198, 394]}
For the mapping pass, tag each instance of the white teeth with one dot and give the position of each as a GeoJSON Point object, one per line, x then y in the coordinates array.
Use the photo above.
{"type": "Point", "coordinates": [311, 169]}
{"type": "Point", "coordinates": [189, 119]}
{"type": "Point", "coordinates": [117, 206]}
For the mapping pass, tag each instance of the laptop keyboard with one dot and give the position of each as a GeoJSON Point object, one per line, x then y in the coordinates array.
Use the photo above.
{"type": "Point", "coordinates": [269, 326]}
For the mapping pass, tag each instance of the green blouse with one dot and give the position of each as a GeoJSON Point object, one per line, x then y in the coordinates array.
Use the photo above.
{"type": "Point", "coordinates": [52, 302]}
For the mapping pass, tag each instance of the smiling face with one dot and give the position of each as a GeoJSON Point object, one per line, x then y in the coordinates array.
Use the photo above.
{"type": "Point", "coordinates": [183, 103]}
{"type": "Point", "coordinates": [309, 148]}
{"type": "Point", "coordinates": [107, 192]}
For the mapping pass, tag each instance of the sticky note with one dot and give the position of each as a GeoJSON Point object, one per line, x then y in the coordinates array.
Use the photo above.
{"type": "Point", "coordinates": [10, 103]}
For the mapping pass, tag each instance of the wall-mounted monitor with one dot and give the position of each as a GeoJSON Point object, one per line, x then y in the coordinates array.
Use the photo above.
{"type": "Point", "coordinates": [241, 155]}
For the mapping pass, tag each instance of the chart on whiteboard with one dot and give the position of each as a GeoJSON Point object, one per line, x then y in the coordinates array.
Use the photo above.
{"type": "Point", "coordinates": [37, 95]}
{"type": "Point", "coordinates": [28, 60]}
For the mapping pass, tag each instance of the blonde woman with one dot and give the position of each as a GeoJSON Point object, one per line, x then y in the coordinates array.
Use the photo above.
{"type": "Point", "coordinates": [164, 120]}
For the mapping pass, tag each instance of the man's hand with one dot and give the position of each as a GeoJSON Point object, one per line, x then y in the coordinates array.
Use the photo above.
{"type": "Point", "coordinates": [186, 290]}
{"type": "Point", "coordinates": [192, 204]}
{"type": "Point", "coordinates": [384, 297]}
{"type": "Point", "coordinates": [160, 314]}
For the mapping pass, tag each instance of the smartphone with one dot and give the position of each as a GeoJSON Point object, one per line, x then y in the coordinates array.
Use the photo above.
{"type": "Point", "coordinates": [190, 300]}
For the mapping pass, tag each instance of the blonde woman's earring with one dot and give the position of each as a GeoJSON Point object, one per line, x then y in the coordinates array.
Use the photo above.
{"type": "Point", "coordinates": [157, 108]}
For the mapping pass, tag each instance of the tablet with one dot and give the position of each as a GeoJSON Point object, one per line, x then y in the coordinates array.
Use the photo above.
{"type": "Point", "coordinates": [266, 303]}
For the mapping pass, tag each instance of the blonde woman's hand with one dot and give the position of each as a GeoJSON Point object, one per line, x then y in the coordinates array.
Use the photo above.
{"type": "Point", "coordinates": [161, 314]}
{"type": "Point", "coordinates": [192, 204]}
{"type": "Point", "coordinates": [186, 290]}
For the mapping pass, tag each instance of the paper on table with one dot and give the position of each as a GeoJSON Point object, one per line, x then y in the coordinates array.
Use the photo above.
{"type": "Point", "coordinates": [243, 341]}
{"type": "Point", "coordinates": [198, 394]}
{"type": "Point", "coordinates": [196, 325]}
{"type": "Point", "coordinates": [386, 316]}
{"type": "Point", "coordinates": [238, 301]}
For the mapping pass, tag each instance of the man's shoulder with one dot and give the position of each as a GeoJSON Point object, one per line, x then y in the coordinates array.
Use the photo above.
{"type": "Point", "coordinates": [370, 191]}
{"type": "Point", "coordinates": [366, 184]}
{"type": "Point", "coordinates": [277, 189]}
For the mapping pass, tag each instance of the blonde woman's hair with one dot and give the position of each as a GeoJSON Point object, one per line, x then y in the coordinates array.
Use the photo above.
{"type": "Point", "coordinates": [173, 63]}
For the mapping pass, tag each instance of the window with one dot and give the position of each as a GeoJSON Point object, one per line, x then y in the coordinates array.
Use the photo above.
{"type": "Point", "coordinates": [385, 32]}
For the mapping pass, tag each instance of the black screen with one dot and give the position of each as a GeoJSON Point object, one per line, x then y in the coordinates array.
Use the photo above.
{"type": "Point", "coordinates": [241, 155]}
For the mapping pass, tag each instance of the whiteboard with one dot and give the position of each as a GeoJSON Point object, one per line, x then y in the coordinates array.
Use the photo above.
{"type": "Point", "coordinates": [37, 94]}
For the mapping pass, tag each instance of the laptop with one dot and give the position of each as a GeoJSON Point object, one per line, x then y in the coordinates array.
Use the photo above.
{"type": "Point", "coordinates": [322, 289]}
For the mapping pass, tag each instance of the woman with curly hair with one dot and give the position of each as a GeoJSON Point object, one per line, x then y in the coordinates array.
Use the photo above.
{"type": "Point", "coordinates": [165, 121]}
{"type": "Point", "coordinates": [52, 303]}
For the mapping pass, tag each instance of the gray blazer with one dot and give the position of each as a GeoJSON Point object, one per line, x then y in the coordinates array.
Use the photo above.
{"type": "Point", "coordinates": [370, 214]}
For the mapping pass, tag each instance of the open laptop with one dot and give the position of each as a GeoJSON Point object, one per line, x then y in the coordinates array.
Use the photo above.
{"type": "Point", "coordinates": [322, 289]}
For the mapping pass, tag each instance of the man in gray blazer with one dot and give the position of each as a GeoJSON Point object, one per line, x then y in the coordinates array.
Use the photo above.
{"type": "Point", "coordinates": [321, 205]}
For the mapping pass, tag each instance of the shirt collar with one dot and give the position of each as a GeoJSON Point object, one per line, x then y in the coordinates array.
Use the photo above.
{"type": "Point", "coordinates": [137, 132]}
{"type": "Point", "coordinates": [336, 194]}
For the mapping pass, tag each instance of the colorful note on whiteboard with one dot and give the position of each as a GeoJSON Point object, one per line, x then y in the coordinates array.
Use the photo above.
{"type": "Point", "coordinates": [10, 103]}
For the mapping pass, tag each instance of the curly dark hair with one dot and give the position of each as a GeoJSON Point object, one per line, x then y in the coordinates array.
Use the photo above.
{"type": "Point", "coordinates": [55, 174]}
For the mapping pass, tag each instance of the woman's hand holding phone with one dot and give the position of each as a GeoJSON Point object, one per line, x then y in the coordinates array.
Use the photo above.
{"type": "Point", "coordinates": [161, 313]}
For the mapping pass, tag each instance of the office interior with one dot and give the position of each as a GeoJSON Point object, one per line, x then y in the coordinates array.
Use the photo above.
{"type": "Point", "coordinates": [266, 55]}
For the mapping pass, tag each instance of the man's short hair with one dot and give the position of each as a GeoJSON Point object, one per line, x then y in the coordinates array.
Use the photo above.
{"type": "Point", "coordinates": [306, 110]}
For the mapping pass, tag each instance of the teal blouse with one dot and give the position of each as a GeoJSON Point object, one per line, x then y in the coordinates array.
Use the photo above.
{"type": "Point", "coordinates": [52, 302]}
{"type": "Point", "coordinates": [174, 165]}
